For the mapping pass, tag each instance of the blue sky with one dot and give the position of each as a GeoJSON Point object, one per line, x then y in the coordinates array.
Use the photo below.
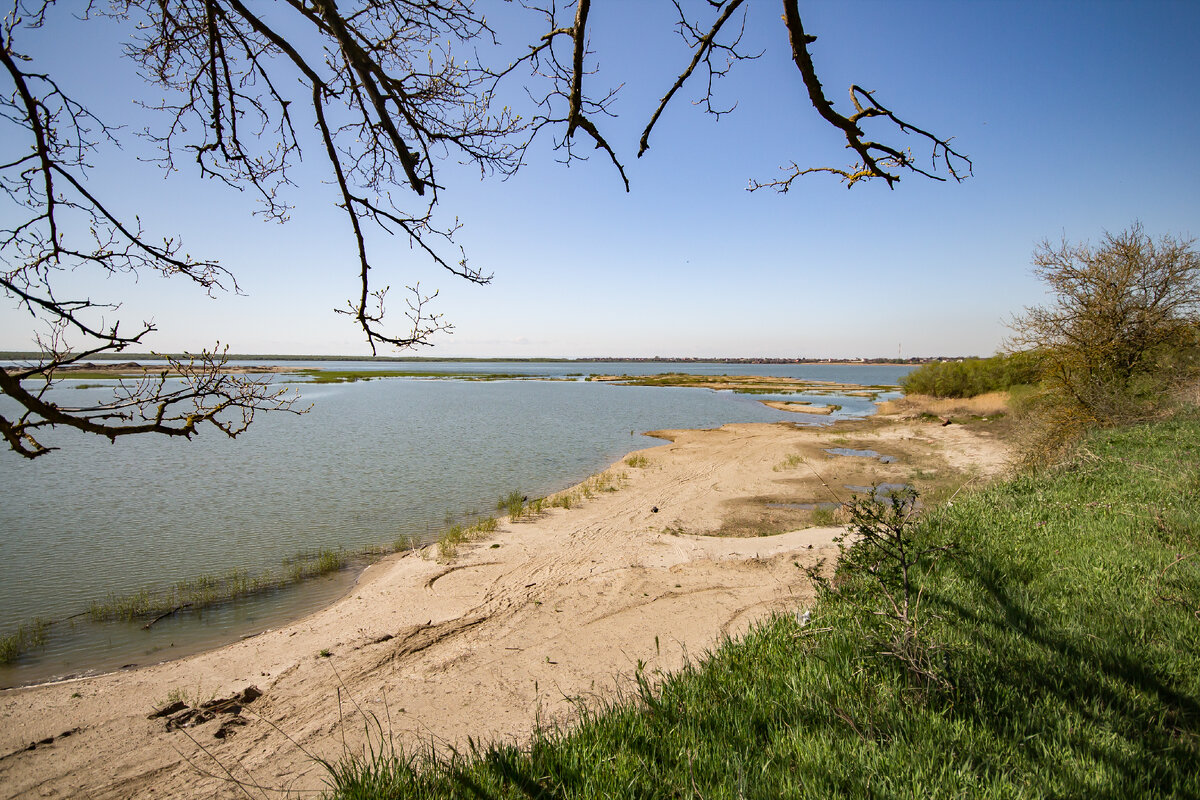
{"type": "Point", "coordinates": [1080, 117]}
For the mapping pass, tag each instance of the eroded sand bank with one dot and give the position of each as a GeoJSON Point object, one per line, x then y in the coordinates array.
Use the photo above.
{"type": "Point", "coordinates": [518, 626]}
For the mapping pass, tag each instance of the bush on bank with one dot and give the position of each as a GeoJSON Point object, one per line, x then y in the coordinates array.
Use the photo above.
{"type": "Point", "coordinates": [973, 376]}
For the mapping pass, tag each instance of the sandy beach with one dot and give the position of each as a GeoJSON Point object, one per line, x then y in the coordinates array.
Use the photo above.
{"type": "Point", "coordinates": [521, 626]}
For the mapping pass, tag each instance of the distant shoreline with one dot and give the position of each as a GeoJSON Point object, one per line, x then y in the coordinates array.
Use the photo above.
{"type": "Point", "coordinates": [17, 355]}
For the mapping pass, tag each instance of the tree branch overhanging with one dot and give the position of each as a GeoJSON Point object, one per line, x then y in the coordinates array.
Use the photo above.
{"type": "Point", "coordinates": [386, 92]}
{"type": "Point", "coordinates": [876, 159]}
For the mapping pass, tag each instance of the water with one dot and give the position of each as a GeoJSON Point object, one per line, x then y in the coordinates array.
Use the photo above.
{"type": "Point", "coordinates": [849, 451]}
{"type": "Point", "coordinates": [862, 374]}
{"type": "Point", "coordinates": [370, 463]}
{"type": "Point", "coordinates": [881, 492]}
{"type": "Point", "coordinates": [805, 506]}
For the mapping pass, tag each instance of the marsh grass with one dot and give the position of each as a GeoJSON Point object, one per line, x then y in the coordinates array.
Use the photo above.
{"type": "Point", "coordinates": [205, 591]}
{"type": "Point", "coordinates": [208, 590]}
{"type": "Point", "coordinates": [739, 384]}
{"type": "Point", "coordinates": [28, 636]}
{"type": "Point", "coordinates": [352, 376]}
{"type": "Point", "coordinates": [322, 562]}
{"type": "Point", "coordinates": [637, 461]}
{"type": "Point", "coordinates": [1065, 632]}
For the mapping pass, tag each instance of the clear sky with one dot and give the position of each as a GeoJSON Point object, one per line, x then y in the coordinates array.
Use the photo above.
{"type": "Point", "coordinates": [1080, 117]}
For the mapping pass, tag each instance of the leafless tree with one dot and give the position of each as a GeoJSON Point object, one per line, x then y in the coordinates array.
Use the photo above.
{"type": "Point", "coordinates": [387, 91]}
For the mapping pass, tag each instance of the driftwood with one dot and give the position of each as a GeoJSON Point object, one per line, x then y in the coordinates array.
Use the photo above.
{"type": "Point", "coordinates": [180, 715]}
{"type": "Point", "coordinates": [165, 614]}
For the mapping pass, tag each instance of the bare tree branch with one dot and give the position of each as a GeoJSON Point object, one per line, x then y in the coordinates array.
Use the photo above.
{"type": "Point", "coordinates": [386, 92]}
{"type": "Point", "coordinates": [703, 45]}
{"type": "Point", "coordinates": [876, 159]}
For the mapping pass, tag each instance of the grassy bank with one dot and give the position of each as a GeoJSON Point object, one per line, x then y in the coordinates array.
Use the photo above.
{"type": "Point", "coordinates": [1055, 653]}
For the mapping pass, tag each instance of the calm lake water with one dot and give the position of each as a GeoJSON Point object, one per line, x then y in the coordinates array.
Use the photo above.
{"type": "Point", "coordinates": [371, 462]}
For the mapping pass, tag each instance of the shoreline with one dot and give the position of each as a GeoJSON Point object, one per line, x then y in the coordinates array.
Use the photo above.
{"type": "Point", "coordinates": [130, 650]}
{"type": "Point", "coordinates": [543, 610]}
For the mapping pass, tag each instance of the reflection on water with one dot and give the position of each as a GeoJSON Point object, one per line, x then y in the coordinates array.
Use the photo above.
{"type": "Point", "coordinates": [805, 506]}
{"type": "Point", "coordinates": [881, 492]}
{"type": "Point", "coordinates": [371, 463]}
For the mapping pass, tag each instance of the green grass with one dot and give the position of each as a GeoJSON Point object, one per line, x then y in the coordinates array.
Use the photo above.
{"type": "Point", "coordinates": [1059, 655]}
{"type": "Point", "coordinates": [637, 460]}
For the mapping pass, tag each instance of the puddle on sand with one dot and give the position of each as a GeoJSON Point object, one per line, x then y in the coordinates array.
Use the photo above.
{"type": "Point", "coordinates": [804, 506]}
{"type": "Point", "coordinates": [882, 491]}
{"type": "Point", "coordinates": [847, 451]}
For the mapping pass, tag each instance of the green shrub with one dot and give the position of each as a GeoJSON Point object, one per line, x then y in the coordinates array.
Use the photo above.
{"type": "Point", "coordinates": [973, 376]}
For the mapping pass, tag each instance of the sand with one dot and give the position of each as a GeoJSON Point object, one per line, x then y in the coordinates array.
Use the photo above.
{"type": "Point", "coordinates": [797, 407]}
{"type": "Point", "coordinates": [521, 626]}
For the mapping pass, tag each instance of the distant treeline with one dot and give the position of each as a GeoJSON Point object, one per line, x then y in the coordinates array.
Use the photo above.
{"type": "Point", "coordinates": [973, 376]}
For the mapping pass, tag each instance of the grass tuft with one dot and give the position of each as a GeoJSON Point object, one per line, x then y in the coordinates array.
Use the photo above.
{"type": "Point", "coordinates": [791, 462]}
{"type": "Point", "coordinates": [455, 535]}
{"type": "Point", "coordinates": [512, 504]}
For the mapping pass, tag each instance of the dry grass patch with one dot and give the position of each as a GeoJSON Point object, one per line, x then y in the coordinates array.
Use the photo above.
{"type": "Point", "coordinates": [983, 405]}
